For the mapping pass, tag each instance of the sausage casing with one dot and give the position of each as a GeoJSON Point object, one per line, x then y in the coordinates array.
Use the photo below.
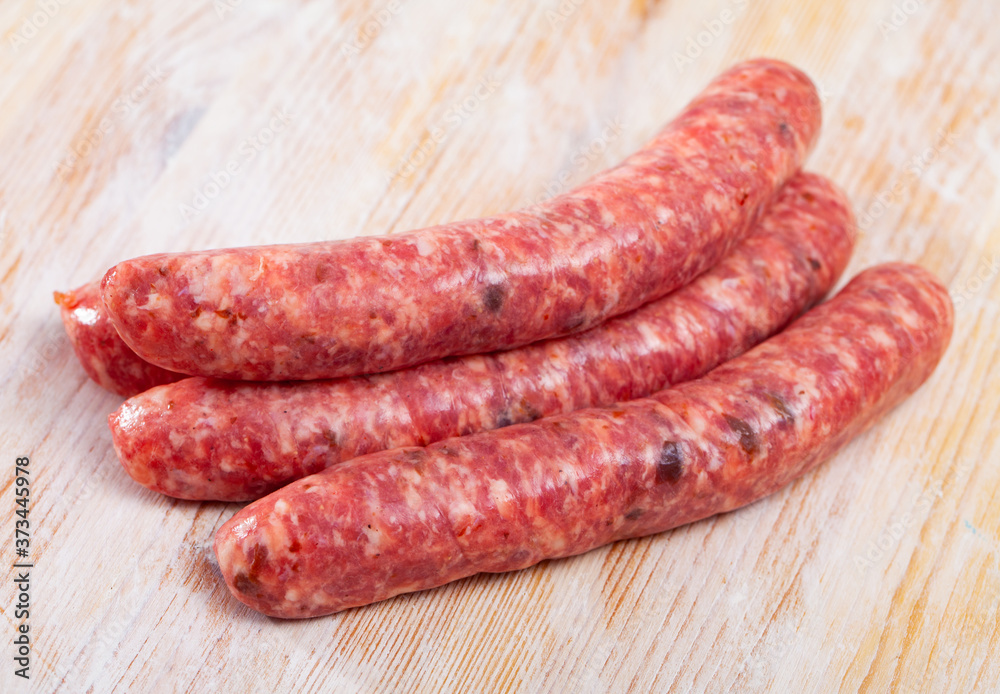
{"type": "Point", "coordinates": [626, 237]}
{"type": "Point", "coordinates": [414, 518]}
{"type": "Point", "coordinates": [208, 439]}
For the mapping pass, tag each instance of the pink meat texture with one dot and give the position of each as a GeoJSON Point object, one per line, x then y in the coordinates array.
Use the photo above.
{"type": "Point", "coordinates": [413, 518]}
{"type": "Point", "coordinates": [104, 356]}
{"type": "Point", "coordinates": [367, 305]}
{"type": "Point", "coordinates": [208, 439]}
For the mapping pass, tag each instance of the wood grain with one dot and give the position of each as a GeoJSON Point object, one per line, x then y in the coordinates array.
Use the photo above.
{"type": "Point", "coordinates": [878, 572]}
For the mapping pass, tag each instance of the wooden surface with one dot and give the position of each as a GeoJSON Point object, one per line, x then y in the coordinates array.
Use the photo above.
{"type": "Point", "coordinates": [878, 572]}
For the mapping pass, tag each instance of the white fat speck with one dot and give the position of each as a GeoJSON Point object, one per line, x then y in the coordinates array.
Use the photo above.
{"type": "Point", "coordinates": [238, 285]}
{"type": "Point", "coordinates": [698, 424]}
{"type": "Point", "coordinates": [652, 339]}
{"type": "Point", "coordinates": [730, 283]}
{"type": "Point", "coordinates": [245, 528]}
{"type": "Point", "coordinates": [806, 385]}
{"type": "Point", "coordinates": [879, 335]}
{"type": "Point", "coordinates": [374, 537]}
{"type": "Point", "coordinates": [292, 595]}
{"type": "Point", "coordinates": [424, 247]}
{"type": "Point", "coordinates": [461, 508]}
{"type": "Point", "coordinates": [258, 273]}
{"type": "Point", "coordinates": [714, 460]}
{"type": "Point", "coordinates": [281, 507]}
{"type": "Point", "coordinates": [908, 319]}
{"type": "Point", "coordinates": [178, 479]}
{"type": "Point", "coordinates": [153, 300]}
{"type": "Point", "coordinates": [177, 439]}
{"type": "Point", "coordinates": [500, 493]}
{"type": "Point", "coordinates": [205, 321]}
{"type": "Point", "coordinates": [128, 416]}
{"type": "Point", "coordinates": [286, 437]}
{"type": "Point", "coordinates": [86, 316]}
{"type": "Point", "coordinates": [846, 358]}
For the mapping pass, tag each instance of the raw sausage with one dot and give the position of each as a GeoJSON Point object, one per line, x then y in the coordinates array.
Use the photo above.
{"type": "Point", "coordinates": [628, 236]}
{"type": "Point", "coordinates": [104, 356]}
{"type": "Point", "coordinates": [207, 439]}
{"type": "Point", "coordinates": [414, 518]}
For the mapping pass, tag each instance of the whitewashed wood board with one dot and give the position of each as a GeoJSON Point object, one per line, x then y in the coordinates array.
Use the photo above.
{"type": "Point", "coordinates": [878, 572]}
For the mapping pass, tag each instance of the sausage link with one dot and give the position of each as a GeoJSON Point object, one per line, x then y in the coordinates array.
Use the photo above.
{"type": "Point", "coordinates": [207, 439]}
{"type": "Point", "coordinates": [628, 236]}
{"type": "Point", "coordinates": [414, 518]}
{"type": "Point", "coordinates": [103, 354]}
